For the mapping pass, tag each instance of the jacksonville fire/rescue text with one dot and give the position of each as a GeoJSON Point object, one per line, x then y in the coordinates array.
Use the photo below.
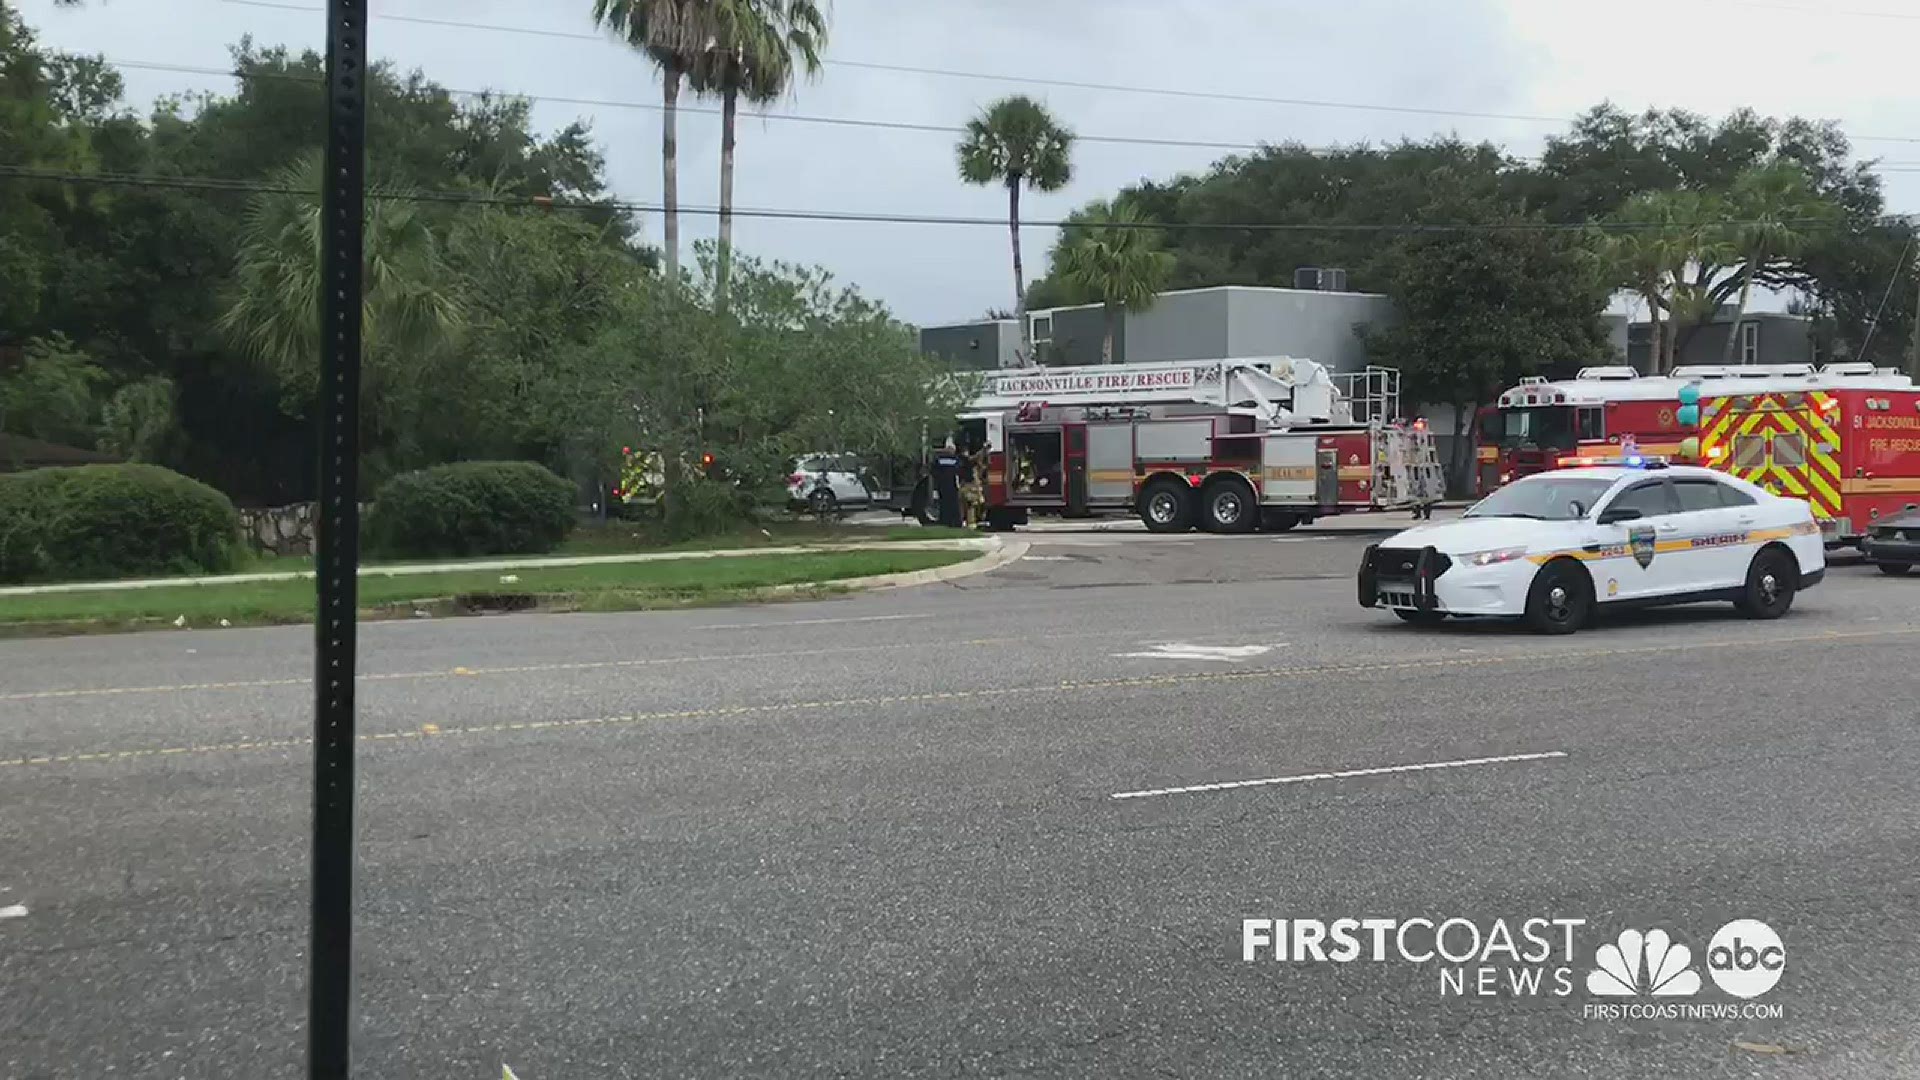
{"type": "Point", "coordinates": [1525, 957]}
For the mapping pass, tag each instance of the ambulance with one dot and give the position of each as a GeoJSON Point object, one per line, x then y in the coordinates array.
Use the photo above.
{"type": "Point", "coordinates": [1227, 445]}
{"type": "Point", "coordinates": [1844, 437]}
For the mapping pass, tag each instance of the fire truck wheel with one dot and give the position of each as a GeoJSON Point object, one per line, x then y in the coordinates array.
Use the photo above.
{"type": "Point", "coordinates": [1229, 507]}
{"type": "Point", "coordinates": [1167, 506]}
{"type": "Point", "coordinates": [1561, 598]}
{"type": "Point", "coordinates": [926, 504]}
{"type": "Point", "coordinates": [1771, 582]}
{"type": "Point", "coordinates": [1895, 569]}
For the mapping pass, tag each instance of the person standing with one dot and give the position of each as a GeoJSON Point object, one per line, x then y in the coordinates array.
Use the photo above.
{"type": "Point", "coordinates": [946, 483]}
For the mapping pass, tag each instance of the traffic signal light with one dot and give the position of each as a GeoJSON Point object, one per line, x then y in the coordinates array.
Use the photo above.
{"type": "Point", "coordinates": [1689, 414]}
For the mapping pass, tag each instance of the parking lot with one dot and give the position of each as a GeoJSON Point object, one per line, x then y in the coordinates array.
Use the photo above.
{"type": "Point", "coordinates": [1007, 825]}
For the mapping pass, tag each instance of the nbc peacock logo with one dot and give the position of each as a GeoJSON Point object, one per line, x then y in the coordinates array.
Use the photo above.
{"type": "Point", "coordinates": [1643, 964]}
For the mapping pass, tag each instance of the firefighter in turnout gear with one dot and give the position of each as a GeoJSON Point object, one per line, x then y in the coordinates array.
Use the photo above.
{"type": "Point", "coordinates": [973, 486]}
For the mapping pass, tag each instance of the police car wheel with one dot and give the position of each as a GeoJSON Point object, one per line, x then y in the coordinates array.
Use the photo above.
{"type": "Point", "coordinates": [1421, 618]}
{"type": "Point", "coordinates": [823, 503]}
{"type": "Point", "coordinates": [1771, 582]}
{"type": "Point", "coordinates": [1895, 569]}
{"type": "Point", "coordinates": [1560, 600]}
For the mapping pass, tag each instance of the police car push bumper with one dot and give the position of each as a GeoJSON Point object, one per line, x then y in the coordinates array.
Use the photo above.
{"type": "Point", "coordinates": [1493, 582]}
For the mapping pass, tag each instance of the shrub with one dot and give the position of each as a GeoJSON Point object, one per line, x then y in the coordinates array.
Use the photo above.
{"type": "Point", "coordinates": [699, 506]}
{"type": "Point", "coordinates": [110, 521]}
{"type": "Point", "coordinates": [472, 508]}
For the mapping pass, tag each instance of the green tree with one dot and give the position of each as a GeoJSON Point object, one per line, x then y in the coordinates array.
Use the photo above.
{"type": "Point", "coordinates": [1480, 308]}
{"type": "Point", "coordinates": [756, 49]}
{"type": "Point", "coordinates": [51, 395]}
{"type": "Point", "coordinates": [411, 321]}
{"type": "Point", "coordinates": [1775, 209]}
{"type": "Point", "coordinates": [137, 421]}
{"type": "Point", "coordinates": [1016, 142]}
{"type": "Point", "coordinates": [672, 34]}
{"type": "Point", "coordinates": [1114, 257]}
{"type": "Point", "coordinates": [797, 364]}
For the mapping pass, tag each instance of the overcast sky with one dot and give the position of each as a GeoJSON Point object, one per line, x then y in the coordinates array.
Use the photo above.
{"type": "Point", "coordinates": [1525, 57]}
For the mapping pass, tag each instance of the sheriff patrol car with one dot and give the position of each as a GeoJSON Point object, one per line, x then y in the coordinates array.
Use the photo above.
{"type": "Point", "coordinates": [1554, 547]}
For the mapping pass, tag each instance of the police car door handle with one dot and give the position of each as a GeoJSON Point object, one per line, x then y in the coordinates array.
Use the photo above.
{"type": "Point", "coordinates": [1667, 527]}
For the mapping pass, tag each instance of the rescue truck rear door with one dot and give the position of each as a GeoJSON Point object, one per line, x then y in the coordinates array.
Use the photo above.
{"type": "Point", "coordinates": [1785, 443]}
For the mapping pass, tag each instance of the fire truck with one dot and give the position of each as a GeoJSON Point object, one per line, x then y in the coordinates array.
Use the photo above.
{"type": "Point", "coordinates": [1845, 437]}
{"type": "Point", "coordinates": [1228, 445]}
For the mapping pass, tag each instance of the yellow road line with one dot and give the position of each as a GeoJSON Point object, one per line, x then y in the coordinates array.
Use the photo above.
{"type": "Point", "coordinates": [523, 669]}
{"type": "Point", "coordinates": [1065, 686]}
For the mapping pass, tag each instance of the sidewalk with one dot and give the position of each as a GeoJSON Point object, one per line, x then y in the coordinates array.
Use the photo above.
{"type": "Point", "coordinates": [985, 543]}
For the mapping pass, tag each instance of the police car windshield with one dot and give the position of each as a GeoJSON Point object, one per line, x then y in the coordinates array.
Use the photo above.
{"type": "Point", "coordinates": [1546, 498]}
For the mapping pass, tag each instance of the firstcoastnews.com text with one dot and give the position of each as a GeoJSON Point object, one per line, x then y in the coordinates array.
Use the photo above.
{"type": "Point", "coordinates": [1682, 1010]}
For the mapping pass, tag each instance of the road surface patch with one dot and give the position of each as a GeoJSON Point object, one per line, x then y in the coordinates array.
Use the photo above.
{"type": "Point", "coordinates": [1065, 686]}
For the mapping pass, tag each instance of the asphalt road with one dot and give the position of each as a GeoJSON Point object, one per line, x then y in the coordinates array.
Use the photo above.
{"type": "Point", "coordinates": [878, 836]}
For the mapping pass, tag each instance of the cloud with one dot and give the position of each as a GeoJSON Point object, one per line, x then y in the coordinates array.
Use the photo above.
{"type": "Point", "coordinates": [1510, 56]}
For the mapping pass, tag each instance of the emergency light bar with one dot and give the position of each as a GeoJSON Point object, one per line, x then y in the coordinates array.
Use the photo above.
{"type": "Point", "coordinates": [1630, 461]}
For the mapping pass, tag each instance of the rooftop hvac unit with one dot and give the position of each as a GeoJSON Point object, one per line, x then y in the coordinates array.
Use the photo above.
{"type": "Point", "coordinates": [1333, 279]}
{"type": "Point", "coordinates": [1607, 373]}
{"type": "Point", "coordinates": [1307, 277]}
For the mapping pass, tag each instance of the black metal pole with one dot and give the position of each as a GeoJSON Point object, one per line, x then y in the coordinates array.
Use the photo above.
{"type": "Point", "coordinates": [337, 554]}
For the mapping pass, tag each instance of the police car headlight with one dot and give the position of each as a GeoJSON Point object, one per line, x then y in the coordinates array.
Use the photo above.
{"type": "Point", "coordinates": [1489, 558]}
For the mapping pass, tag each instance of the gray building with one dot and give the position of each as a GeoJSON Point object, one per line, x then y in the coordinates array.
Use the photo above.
{"type": "Point", "coordinates": [1191, 324]}
{"type": "Point", "coordinates": [1762, 337]}
{"type": "Point", "coordinates": [983, 345]}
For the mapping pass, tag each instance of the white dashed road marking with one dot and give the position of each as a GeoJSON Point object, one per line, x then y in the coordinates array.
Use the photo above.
{"type": "Point", "coordinates": [1177, 650]}
{"type": "Point", "coordinates": [1344, 774]}
{"type": "Point", "coordinates": [13, 911]}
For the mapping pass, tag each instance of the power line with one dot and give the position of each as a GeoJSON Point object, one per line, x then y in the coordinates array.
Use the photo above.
{"type": "Point", "coordinates": [838, 121]}
{"type": "Point", "coordinates": [949, 73]}
{"type": "Point", "coordinates": [462, 198]}
{"type": "Point", "coordinates": [1119, 88]}
{"type": "Point", "coordinates": [606, 103]}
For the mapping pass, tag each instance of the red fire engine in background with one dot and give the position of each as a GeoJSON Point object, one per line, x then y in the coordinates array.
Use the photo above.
{"type": "Point", "coordinates": [1844, 437]}
{"type": "Point", "coordinates": [1225, 445]}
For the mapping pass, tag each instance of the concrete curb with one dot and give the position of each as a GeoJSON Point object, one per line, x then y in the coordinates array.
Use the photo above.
{"type": "Point", "coordinates": [488, 565]}
{"type": "Point", "coordinates": [998, 555]}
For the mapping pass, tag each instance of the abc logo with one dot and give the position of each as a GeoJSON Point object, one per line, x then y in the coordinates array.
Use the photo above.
{"type": "Point", "coordinates": [1746, 958]}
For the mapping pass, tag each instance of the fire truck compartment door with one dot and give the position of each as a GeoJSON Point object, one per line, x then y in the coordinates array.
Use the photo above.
{"type": "Point", "coordinates": [1109, 463]}
{"type": "Point", "coordinates": [1287, 471]}
{"type": "Point", "coordinates": [1174, 440]}
{"type": "Point", "coordinates": [1326, 477]}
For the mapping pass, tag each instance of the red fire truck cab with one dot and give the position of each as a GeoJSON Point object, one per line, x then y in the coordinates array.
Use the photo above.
{"type": "Point", "coordinates": [1844, 437]}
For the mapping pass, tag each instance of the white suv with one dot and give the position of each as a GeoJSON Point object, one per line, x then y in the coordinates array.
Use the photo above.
{"type": "Point", "coordinates": [826, 484]}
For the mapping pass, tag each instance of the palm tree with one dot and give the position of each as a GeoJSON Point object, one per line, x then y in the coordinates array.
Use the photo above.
{"type": "Point", "coordinates": [1637, 259]}
{"type": "Point", "coordinates": [1774, 205]}
{"type": "Point", "coordinates": [754, 50]}
{"type": "Point", "coordinates": [410, 316]}
{"type": "Point", "coordinates": [1112, 255]}
{"type": "Point", "coordinates": [1016, 142]}
{"type": "Point", "coordinates": [1660, 235]}
{"type": "Point", "coordinates": [671, 33]}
